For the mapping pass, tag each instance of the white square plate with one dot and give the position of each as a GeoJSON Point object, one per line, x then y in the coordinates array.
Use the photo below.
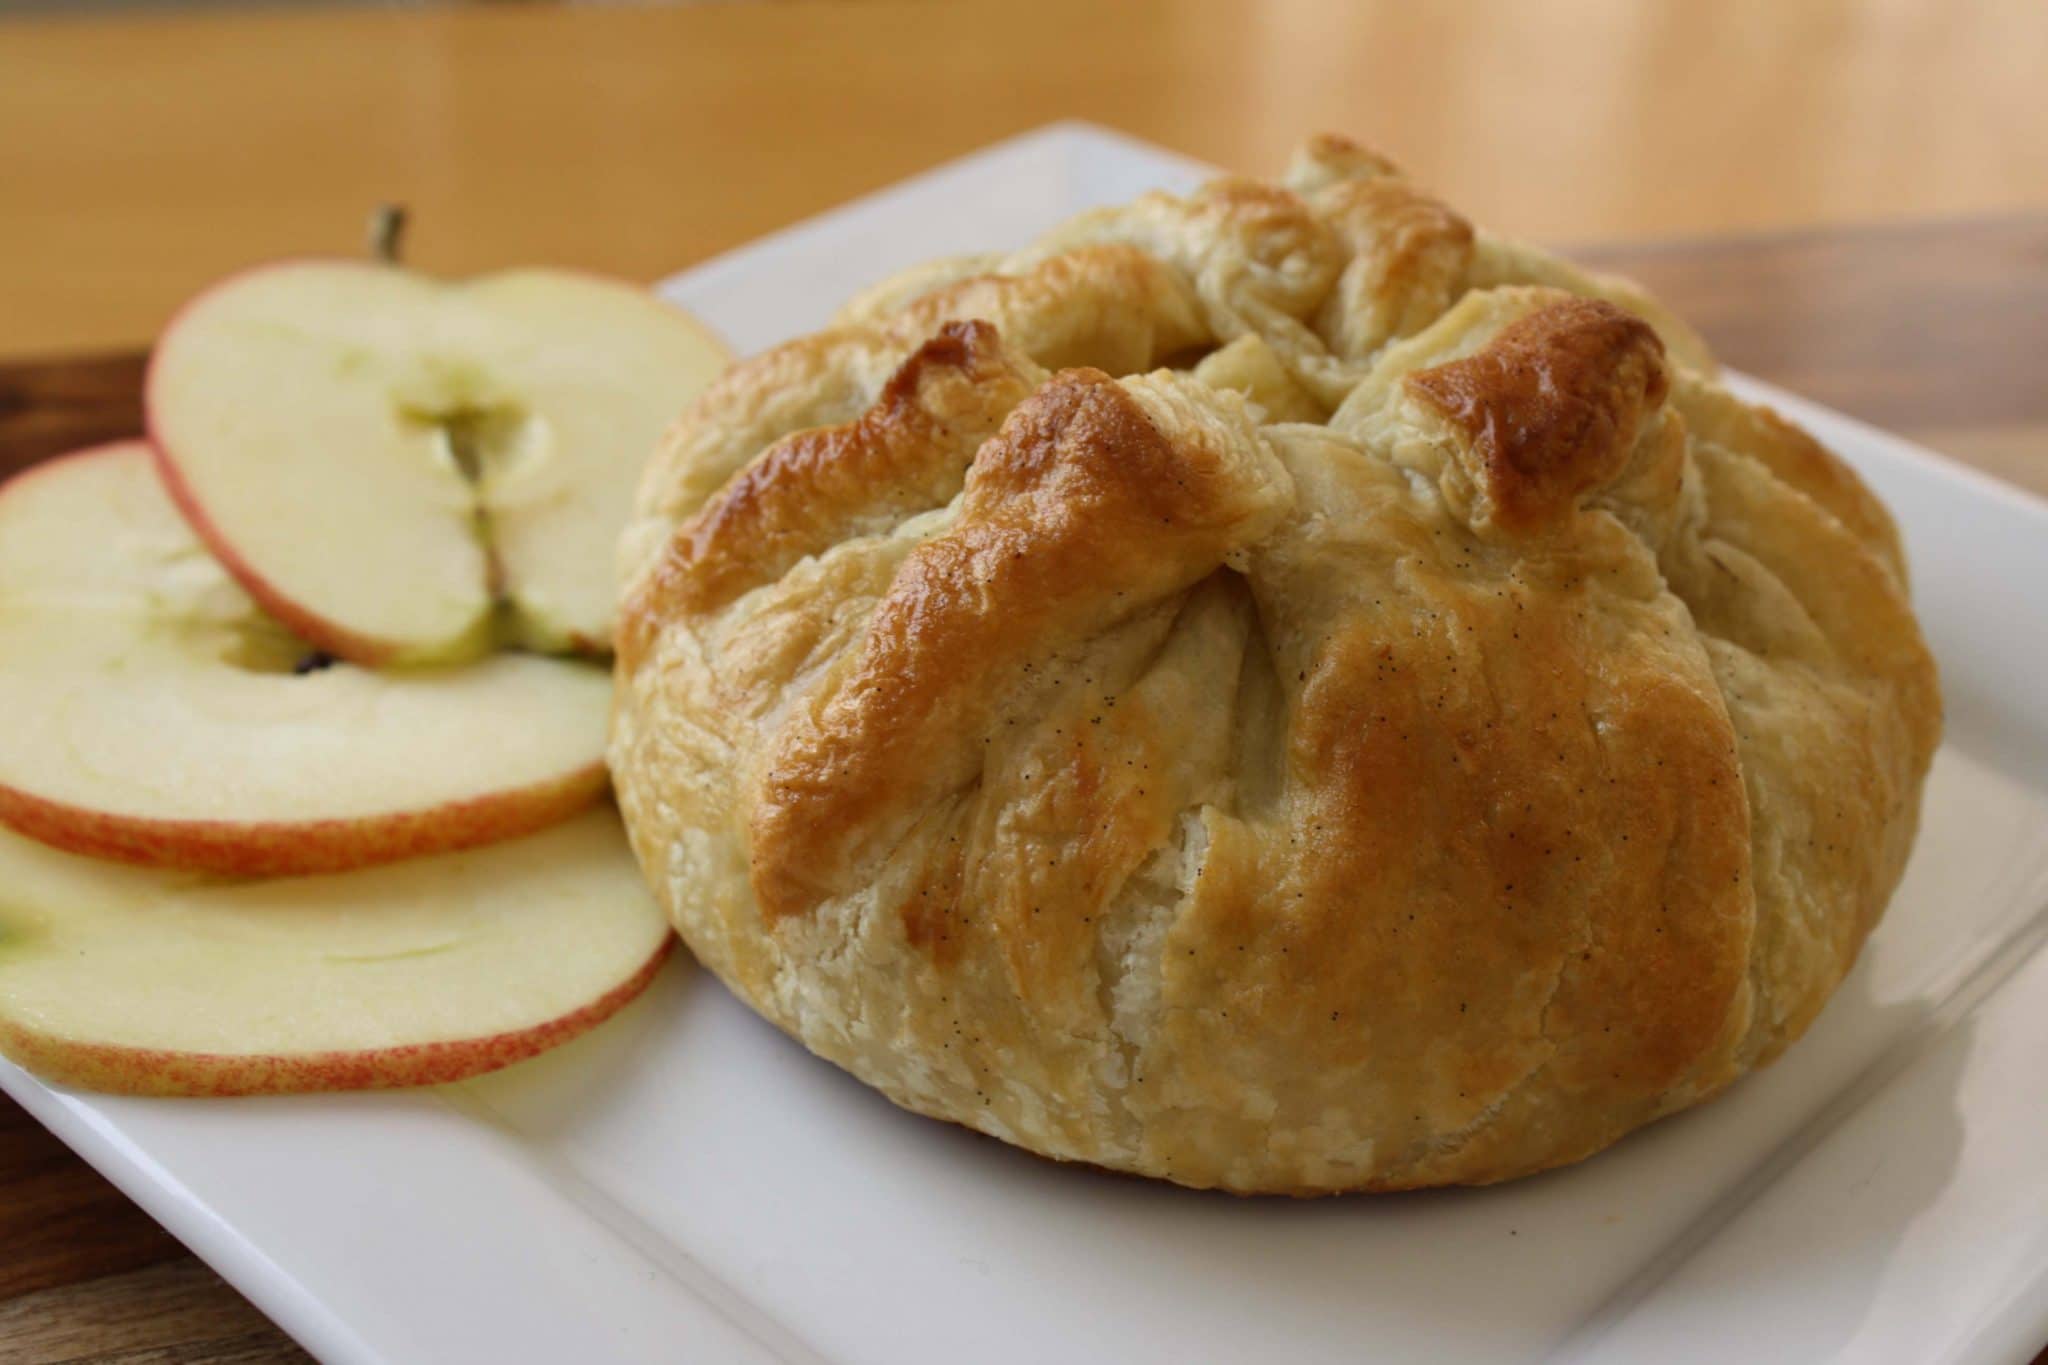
{"type": "Point", "coordinates": [686, 1184]}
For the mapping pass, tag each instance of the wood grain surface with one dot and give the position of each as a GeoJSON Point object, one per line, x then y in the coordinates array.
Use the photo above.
{"type": "Point", "coordinates": [1934, 329]}
{"type": "Point", "coordinates": [142, 157]}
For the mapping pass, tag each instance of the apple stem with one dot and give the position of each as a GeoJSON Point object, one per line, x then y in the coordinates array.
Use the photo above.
{"type": "Point", "coordinates": [387, 232]}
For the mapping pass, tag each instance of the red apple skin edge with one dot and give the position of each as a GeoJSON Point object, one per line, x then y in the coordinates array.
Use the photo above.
{"type": "Point", "coordinates": [147, 1071]}
{"type": "Point", "coordinates": [289, 848]}
{"type": "Point", "coordinates": [315, 630]}
{"type": "Point", "coordinates": [367, 650]}
{"type": "Point", "coordinates": [299, 848]}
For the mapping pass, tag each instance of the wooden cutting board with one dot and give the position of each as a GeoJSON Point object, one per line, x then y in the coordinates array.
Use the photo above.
{"type": "Point", "coordinates": [1937, 331]}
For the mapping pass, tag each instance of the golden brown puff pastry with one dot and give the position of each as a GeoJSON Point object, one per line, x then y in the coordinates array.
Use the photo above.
{"type": "Point", "coordinates": [1273, 689]}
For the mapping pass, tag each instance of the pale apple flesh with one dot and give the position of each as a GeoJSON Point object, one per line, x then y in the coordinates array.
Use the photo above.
{"type": "Point", "coordinates": [155, 715]}
{"type": "Point", "coordinates": [407, 470]}
{"type": "Point", "coordinates": [142, 981]}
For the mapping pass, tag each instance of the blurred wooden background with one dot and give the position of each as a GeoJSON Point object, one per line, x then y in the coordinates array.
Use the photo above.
{"type": "Point", "coordinates": [142, 156]}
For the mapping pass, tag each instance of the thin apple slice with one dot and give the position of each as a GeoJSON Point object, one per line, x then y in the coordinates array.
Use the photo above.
{"type": "Point", "coordinates": [141, 981]}
{"type": "Point", "coordinates": [402, 469]}
{"type": "Point", "coordinates": [155, 715]}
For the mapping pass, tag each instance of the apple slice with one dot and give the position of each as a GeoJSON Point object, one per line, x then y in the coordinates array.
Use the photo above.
{"type": "Point", "coordinates": [155, 715]}
{"type": "Point", "coordinates": [402, 469]}
{"type": "Point", "coordinates": [141, 981]}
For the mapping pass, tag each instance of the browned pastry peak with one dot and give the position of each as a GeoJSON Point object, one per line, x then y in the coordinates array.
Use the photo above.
{"type": "Point", "coordinates": [909, 451]}
{"type": "Point", "coordinates": [1549, 408]}
{"type": "Point", "coordinates": [1426, 731]}
{"type": "Point", "coordinates": [1411, 255]}
{"type": "Point", "coordinates": [1088, 505]}
{"type": "Point", "coordinates": [1333, 159]}
{"type": "Point", "coordinates": [1108, 305]}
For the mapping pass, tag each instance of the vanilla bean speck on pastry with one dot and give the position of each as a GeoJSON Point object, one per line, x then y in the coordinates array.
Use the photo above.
{"type": "Point", "coordinates": [1275, 689]}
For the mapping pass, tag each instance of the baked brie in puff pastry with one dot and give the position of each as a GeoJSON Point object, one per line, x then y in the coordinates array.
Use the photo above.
{"type": "Point", "coordinates": [1274, 689]}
